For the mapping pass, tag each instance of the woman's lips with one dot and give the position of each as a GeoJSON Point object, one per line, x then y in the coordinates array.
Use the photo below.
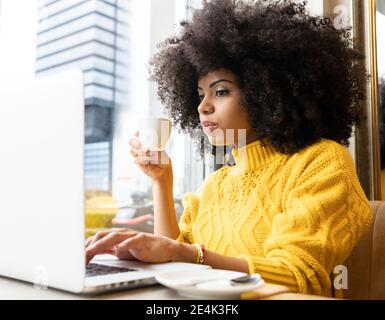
{"type": "Point", "coordinates": [210, 129]}
{"type": "Point", "coordinates": [209, 126]}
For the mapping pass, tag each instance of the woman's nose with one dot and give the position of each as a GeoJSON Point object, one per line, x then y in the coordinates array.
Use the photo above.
{"type": "Point", "coordinates": [205, 107]}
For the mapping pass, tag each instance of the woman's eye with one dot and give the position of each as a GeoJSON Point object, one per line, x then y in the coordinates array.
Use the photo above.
{"type": "Point", "coordinates": [221, 93]}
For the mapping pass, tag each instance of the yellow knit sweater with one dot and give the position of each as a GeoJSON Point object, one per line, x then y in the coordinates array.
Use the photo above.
{"type": "Point", "coordinates": [293, 218]}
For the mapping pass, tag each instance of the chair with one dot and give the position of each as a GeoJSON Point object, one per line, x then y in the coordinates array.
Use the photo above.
{"type": "Point", "coordinates": [366, 263]}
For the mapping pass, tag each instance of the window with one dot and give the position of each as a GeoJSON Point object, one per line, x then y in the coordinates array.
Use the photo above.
{"type": "Point", "coordinates": [112, 42]}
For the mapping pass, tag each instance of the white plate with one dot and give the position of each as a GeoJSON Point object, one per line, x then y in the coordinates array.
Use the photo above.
{"type": "Point", "coordinates": [207, 284]}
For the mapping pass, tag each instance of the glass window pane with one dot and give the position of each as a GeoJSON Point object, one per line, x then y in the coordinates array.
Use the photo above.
{"type": "Point", "coordinates": [112, 42]}
{"type": "Point", "coordinates": [76, 39]}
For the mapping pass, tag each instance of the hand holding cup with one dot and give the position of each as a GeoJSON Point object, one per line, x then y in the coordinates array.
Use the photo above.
{"type": "Point", "coordinates": [147, 147]}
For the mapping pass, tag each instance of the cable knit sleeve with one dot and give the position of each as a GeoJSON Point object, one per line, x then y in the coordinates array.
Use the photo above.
{"type": "Point", "coordinates": [323, 216]}
{"type": "Point", "coordinates": [190, 203]}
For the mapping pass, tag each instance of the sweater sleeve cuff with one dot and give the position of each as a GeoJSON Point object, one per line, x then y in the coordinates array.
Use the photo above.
{"type": "Point", "coordinates": [272, 270]}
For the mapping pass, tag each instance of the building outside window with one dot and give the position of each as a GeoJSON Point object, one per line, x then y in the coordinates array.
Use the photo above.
{"type": "Point", "coordinates": [91, 35]}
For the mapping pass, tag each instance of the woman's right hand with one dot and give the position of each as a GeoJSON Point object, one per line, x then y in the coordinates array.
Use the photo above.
{"type": "Point", "coordinates": [155, 164]}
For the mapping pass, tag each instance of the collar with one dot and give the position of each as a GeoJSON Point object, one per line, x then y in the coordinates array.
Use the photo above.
{"type": "Point", "coordinates": [253, 156]}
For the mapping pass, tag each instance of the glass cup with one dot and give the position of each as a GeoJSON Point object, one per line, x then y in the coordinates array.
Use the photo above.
{"type": "Point", "coordinates": [154, 132]}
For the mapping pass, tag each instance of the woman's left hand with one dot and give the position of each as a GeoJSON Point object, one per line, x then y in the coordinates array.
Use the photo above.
{"type": "Point", "coordinates": [128, 245]}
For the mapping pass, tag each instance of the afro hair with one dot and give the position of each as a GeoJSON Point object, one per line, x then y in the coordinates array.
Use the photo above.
{"type": "Point", "coordinates": [302, 78]}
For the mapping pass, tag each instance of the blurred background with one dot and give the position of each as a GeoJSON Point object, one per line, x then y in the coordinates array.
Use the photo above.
{"type": "Point", "coordinates": [112, 42]}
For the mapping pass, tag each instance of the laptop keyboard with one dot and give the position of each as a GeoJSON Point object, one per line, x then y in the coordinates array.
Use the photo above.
{"type": "Point", "coordinates": [94, 269]}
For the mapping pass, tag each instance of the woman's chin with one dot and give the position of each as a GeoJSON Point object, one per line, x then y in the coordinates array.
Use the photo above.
{"type": "Point", "coordinates": [219, 142]}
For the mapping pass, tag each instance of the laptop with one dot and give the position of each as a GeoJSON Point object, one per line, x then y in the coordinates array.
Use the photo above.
{"type": "Point", "coordinates": [42, 217]}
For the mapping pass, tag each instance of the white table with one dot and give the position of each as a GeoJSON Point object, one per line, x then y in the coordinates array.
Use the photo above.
{"type": "Point", "coordinates": [18, 290]}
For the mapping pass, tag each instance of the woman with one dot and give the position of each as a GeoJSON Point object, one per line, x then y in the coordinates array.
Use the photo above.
{"type": "Point", "coordinates": [291, 208]}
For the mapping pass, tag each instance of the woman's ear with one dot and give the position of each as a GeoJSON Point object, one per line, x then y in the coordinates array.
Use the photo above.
{"type": "Point", "coordinates": [243, 101]}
